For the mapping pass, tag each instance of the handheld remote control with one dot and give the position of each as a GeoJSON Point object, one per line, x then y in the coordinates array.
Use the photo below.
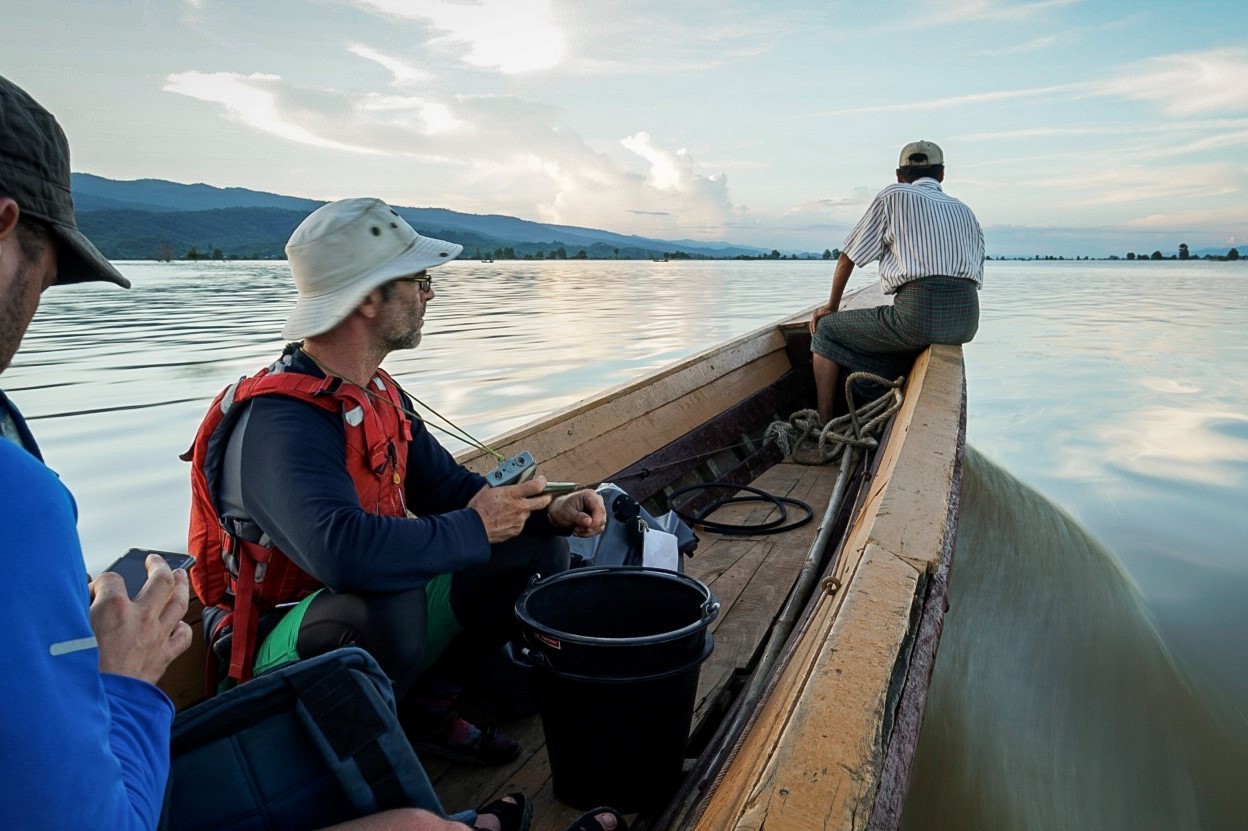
{"type": "Point", "coordinates": [519, 468]}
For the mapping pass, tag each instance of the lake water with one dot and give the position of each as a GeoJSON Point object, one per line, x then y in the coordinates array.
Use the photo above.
{"type": "Point", "coordinates": [1094, 672]}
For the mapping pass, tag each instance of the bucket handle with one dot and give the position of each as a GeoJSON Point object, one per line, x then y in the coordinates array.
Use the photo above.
{"type": "Point", "coordinates": [537, 658]}
{"type": "Point", "coordinates": [709, 609]}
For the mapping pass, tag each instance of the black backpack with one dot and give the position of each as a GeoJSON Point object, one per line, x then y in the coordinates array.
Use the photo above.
{"type": "Point", "coordinates": [311, 744]}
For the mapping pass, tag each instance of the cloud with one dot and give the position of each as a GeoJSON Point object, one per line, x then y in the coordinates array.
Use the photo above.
{"type": "Point", "coordinates": [1035, 45]}
{"type": "Point", "coordinates": [671, 197]}
{"type": "Point", "coordinates": [252, 100]}
{"type": "Point", "coordinates": [971, 99]}
{"type": "Point", "coordinates": [1202, 127]}
{"type": "Point", "coordinates": [638, 38]}
{"type": "Point", "coordinates": [665, 168]}
{"type": "Point", "coordinates": [1224, 216]}
{"type": "Point", "coordinates": [513, 37]}
{"type": "Point", "coordinates": [1184, 84]}
{"type": "Point", "coordinates": [500, 153]}
{"type": "Point", "coordinates": [952, 12]}
{"type": "Point", "coordinates": [404, 74]}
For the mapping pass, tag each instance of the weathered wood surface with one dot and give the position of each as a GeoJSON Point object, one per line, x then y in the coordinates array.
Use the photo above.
{"type": "Point", "coordinates": [908, 724]}
{"type": "Point", "coordinates": [814, 755]}
{"type": "Point", "coordinates": [753, 575]}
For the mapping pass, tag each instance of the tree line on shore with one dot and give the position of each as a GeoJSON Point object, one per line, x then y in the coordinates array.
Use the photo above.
{"type": "Point", "coordinates": [1131, 256]}
{"type": "Point", "coordinates": [166, 253]}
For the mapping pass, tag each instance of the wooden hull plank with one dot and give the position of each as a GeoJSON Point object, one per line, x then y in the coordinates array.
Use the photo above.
{"type": "Point", "coordinates": [926, 463]}
{"type": "Point", "coordinates": [813, 757]}
{"type": "Point", "coordinates": [830, 742]}
{"type": "Point", "coordinates": [669, 463]}
{"type": "Point", "coordinates": [634, 421]}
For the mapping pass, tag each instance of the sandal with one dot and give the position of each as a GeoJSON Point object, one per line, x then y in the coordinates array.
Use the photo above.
{"type": "Point", "coordinates": [512, 816]}
{"type": "Point", "coordinates": [588, 821]}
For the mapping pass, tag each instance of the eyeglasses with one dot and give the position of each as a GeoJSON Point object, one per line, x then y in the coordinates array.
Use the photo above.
{"type": "Point", "coordinates": [423, 282]}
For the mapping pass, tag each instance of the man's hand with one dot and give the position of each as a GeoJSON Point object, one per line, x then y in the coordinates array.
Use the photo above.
{"type": "Point", "coordinates": [582, 511]}
{"type": "Point", "coordinates": [506, 508]}
{"type": "Point", "coordinates": [140, 638]}
{"type": "Point", "coordinates": [819, 312]}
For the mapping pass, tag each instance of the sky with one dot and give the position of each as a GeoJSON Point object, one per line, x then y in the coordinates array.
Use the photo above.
{"type": "Point", "coordinates": [1071, 127]}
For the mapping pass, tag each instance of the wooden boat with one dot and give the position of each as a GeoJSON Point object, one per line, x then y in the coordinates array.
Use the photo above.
{"type": "Point", "coordinates": [809, 709]}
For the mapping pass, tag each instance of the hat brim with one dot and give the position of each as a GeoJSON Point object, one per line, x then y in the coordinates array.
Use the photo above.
{"type": "Point", "coordinates": [315, 314]}
{"type": "Point", "coordinates": [79, 261]}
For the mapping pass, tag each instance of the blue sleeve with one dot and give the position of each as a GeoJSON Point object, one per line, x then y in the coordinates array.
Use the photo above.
{"type": "Point", "coordinates": [297, 489]}
{"type": "Point", "coordinates": [81, 750]}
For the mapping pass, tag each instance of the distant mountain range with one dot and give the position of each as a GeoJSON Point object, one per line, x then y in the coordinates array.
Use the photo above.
{"type": "Point", "coordinates": [156, 219]}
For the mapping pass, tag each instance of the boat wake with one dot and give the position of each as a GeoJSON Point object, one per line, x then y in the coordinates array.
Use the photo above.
{"type": "Point", "coordinates": [1054, 703]}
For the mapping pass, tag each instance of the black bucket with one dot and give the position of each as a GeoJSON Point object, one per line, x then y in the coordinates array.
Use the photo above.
{"type": "Point", "coordinates": [617, 650]}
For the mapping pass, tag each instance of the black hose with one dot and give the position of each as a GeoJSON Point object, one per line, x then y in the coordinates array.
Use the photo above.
{"type": "Point", "coordinates": [776, 526]}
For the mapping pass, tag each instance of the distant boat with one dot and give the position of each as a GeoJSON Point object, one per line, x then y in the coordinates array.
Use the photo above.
{"type": "Point", "coordinates": [487, 261]}
{"type": "Point", "coordinates": [660, 259]}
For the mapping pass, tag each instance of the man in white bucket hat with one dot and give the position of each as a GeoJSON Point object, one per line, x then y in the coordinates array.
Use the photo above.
{"type": "Point", "coordinates": [325, 514]}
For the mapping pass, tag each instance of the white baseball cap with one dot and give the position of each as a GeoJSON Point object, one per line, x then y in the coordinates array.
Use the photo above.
{"type": "Point", "coordinates": [929, 154]}
{"type": "Point", "coordinates": [344, 250]}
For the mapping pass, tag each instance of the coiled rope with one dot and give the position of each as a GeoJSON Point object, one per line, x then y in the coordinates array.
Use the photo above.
{"type": "Point", "coordinates": [858, 428]}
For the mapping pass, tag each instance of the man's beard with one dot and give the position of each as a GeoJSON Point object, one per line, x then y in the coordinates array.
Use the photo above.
{"type": "Point", "coordinates": [12, 315]}
{"type": "Point", "coordinates": [403, 334]}
{"type": "Point", "coordinates": [409, 341]}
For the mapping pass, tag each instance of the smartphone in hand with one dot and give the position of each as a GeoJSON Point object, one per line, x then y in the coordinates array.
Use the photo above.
{"type": "Point", "coordinates": [133, 569]}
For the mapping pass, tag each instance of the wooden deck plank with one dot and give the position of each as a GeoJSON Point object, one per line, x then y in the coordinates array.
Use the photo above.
{"type": "Point", "coordinates": [761, 579]}
{"type": "Point", "coordinates": [744, 618]}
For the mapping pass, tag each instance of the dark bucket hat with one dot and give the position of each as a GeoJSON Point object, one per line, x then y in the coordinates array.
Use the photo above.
{"type": "Point", "coordinates": [34, 172]}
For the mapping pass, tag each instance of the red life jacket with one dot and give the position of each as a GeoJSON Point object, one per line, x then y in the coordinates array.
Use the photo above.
{"type": "Point", "coordinates": [237, 567]}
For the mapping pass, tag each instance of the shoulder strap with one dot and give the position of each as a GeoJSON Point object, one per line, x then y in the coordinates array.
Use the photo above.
{"type": "Point", "coordinates": [328, 719]}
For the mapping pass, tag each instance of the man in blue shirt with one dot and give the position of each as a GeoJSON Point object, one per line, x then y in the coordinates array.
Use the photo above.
{"type": "Point", "coordinates": [85, 729]}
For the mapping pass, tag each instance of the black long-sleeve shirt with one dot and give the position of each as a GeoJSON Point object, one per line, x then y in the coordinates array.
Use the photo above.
{"type": "Point", "coordinates": [296, 487]}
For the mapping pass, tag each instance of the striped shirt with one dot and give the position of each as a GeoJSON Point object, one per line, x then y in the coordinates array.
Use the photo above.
{"type": "Point", "coordinates": [915, 230]}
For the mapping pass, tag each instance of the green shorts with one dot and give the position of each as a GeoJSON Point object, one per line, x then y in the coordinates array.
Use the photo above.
{"type": "Point", "coordinates": [280, 647]}
{"type": "Point", "coordinates": [884, 340]}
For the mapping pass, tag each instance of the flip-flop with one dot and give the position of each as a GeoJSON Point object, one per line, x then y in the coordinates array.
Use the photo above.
{"type": "Point", "coordinates": [512, 816]}
{"type": "Point", "coordinates": [588, 821]}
